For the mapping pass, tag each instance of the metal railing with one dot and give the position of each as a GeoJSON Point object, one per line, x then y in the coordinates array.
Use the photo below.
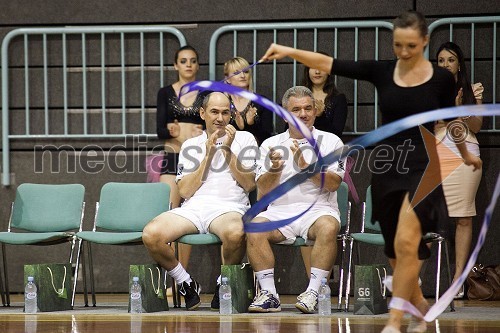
{"type": "Point", "coordinates": [312, 30]}
{"type": "Point", "coordinates": [467, 26]}
{"type": "Point", "coordinates": [98, 42]}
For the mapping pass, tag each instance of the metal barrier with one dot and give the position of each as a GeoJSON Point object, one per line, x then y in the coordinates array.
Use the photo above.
{"type": "Point", "coordinates": [312, 30]}
{"type": "Point", "coordinates": [469, 33]}
{"type": "Point", "coordinates": [247, 39]}
{"type": "Point", "coordinates": [98, 42]}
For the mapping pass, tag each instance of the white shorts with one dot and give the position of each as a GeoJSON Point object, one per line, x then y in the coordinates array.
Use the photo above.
{"type": "Point", "coordinates": [201, 215]}
{"type": "Point", "coordinates": [299, 227]}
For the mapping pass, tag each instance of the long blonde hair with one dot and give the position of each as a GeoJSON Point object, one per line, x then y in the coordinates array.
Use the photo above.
{"type": "Point", "coordinates": [237, 64]}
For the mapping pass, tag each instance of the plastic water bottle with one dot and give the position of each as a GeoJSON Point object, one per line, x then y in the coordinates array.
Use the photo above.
{"type": "Point", "coordinates": [135, 296]}
{"type": "Point", "coordinates": [30, 296]}
{"type": "Point", "coordinates": [324, 299]}
{"type": "Point", "coordinates": [226, 306]}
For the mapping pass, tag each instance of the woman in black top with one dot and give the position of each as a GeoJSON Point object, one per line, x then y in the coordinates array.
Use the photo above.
{"type": "Point", "coordinates": [331, 104]}
{"type": "Point", "coordinates": [405, 210]}
{"type": "Point", "coordinates": [176, 121]}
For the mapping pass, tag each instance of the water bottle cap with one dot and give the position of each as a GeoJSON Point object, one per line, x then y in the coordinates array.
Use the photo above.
{"type": "Point", "coordinates": [30, 279]}
{"type": "Point", "coordinates": [135, 279]}
{"type": "Point", "coordinates": [224, 279]}
{"type": "Point", "coordinates": [323, 280]}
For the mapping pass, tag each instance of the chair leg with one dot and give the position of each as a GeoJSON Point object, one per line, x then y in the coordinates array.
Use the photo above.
{"type": "Point", "coordinates": [91, 266]}
{"type": "Point", "coordinates": [446, 253]}
{"type": "Point", "coordinates": [175, 292]}
{"type": "Point", "coordinates": [349, 272]}
{"type": "Point", "coordinates": [341, 271]}
{"type": "Point", "coordinates": [84, 276]}
{"type": "Point", "coordinates": [6, 275]}
{"type": "Point", "coordinates": [438, 272]}
{"type": "Point", "coordinates": [2, 291]}
{"type": "Point", "coordinates": [75, 279]}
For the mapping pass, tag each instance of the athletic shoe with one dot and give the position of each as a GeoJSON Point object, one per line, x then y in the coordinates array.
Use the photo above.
{"type": "Point", "coordinates": [264, 301]}
{"type": "Point", "coordinates": [307, 302]}
{"type": "Point", "coordinates": [191, 292]}
{"type": "Point", "coordinates": [215, 304]}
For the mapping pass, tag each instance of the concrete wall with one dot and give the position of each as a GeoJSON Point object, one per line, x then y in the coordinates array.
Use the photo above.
{"type": "Point", "coordinates": [197, 20]}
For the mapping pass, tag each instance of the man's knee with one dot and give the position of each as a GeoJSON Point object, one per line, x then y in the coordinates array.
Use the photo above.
{"type": "Point", "coordinates": [234, 234]}
{"type": "Point", "coordinates": [328, 229]}
{"type": "Point", "coordinates": [151, 233]}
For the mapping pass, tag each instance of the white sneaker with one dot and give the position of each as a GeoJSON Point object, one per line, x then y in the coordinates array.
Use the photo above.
{"type": "Point", "coordinates": [307, 302]}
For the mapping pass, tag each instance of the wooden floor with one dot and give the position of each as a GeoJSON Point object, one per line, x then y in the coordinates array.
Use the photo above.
{"type": "Point", "coordinates": [111, 315]}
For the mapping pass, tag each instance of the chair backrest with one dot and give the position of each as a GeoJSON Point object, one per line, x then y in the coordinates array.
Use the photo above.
{"type": "Point", "coordinates": [130, 206]}
{"type": "Point", "coordinates": [367, 213]}
{"type": "Point", "coordinates": [343, 204]}
{"type": "Point", "coordinates": [48, 207]}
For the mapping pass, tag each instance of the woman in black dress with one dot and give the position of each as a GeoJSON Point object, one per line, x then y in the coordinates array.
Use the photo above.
{"type": "Point", "coordinates": [406, 86]}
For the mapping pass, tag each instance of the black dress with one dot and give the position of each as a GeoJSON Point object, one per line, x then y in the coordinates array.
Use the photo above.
{"type": "Point", "coordinates": [409, 156]}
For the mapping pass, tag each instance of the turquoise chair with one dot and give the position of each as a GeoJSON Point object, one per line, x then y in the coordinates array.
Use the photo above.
{"type": "Point", "coordinates": [371, 234]}
{"type": "Point", "coordinates": [122, 212]}
{"type": "Point", "coordinates": [345, 216]}
{"type": "Point", "coordinates": [43, 215]}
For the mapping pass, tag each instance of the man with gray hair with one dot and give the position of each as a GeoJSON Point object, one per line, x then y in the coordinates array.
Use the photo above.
{"type": "Point", "coordinates": [281, 157]}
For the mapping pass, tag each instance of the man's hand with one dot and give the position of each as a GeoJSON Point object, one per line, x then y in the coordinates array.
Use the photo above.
{"type": "Point", "coordinates": [230, 133]}
{"type": "Point", "coordinates": [276, 159]}
{"type": "Point", "coordinates": [298, 158]}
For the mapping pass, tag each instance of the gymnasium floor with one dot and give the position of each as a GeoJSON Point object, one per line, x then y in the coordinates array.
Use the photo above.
{"type": "Point", "coordinates": [111, 315]}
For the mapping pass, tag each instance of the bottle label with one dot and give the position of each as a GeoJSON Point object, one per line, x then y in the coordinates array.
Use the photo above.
{"type": "Point", "coordinates": [31, 295]}
{"type": "Point", "coordinates": [135, 296]}
{"type": "Point", "coordinates": [321, 297]}
{"type": "Point", "coordinates": [226, 296]}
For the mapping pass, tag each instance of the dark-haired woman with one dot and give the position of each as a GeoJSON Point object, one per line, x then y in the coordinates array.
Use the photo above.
{"type": "Point", "coordinates": [176, 121]}
{"type": "Point", "coordinates": [331, 104]}
{"type": "Point", "coordinates": [460, 183]}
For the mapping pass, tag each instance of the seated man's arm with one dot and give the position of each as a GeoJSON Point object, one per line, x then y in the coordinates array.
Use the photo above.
{"type": "Point", "coordinates": [243, 175]}
{"type": "Point", "coordinates": [269, 177]}
{"type": "Point", "coordinates": [332, 180]}
{"type": "Point", "coordinates": [189, 181]}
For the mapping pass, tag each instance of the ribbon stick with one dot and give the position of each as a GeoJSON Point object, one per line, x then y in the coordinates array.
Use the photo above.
{"type": "Point", "coordinates": [242, 70]}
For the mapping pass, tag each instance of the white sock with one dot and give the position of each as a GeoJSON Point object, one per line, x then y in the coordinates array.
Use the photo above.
{"type": "Point", "coordinates": [266, 280]}
{"type": "Point", "coordinates": [180, 275]}
{"type": "Point", "coordinates": [316, 276]}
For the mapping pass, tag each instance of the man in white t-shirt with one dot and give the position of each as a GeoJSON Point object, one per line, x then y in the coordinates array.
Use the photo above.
{"type": "Point", "coordinates": [281, 157]}
{"type": "Point", "coordinates": [215, 174]}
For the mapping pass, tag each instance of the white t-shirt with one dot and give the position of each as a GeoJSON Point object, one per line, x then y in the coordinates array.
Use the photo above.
{"type": "Point", "coordinates": [219, 185]}
{"type": "Point", "coordinates": [305, 193]}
